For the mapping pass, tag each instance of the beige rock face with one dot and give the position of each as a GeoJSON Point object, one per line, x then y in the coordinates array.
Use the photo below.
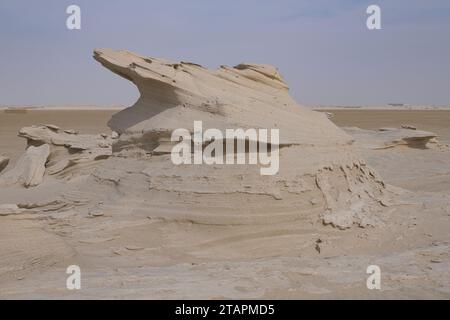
{"type": "Point", "coordinates": [68, 148]}
{"type": "Point", "coordinates": [52, 151]}
{"type": "Point", "coordinates": [30, 168]}
{"type": "Point", "coordinates": [392, 137]}
{"type": "Point", "coordinates": [317, 159]}
{"type": "Point", "coordinates": [173, 95]}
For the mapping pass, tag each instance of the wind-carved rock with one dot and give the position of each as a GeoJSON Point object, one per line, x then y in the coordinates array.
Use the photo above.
{"type": "Point", "coordinates": [30, 168]}
{"type": "Point", "coordinates": [320, 178]}
{"type": "Point", "coordinates": [51, 151]}
{"type": "Point", "coordinates": [173, 95]}
{"type": "Point", "coordinates": [68, 148]}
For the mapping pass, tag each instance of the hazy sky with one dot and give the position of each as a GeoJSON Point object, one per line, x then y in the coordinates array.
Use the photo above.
{"type": "Point", "coordinates": [322, 48]}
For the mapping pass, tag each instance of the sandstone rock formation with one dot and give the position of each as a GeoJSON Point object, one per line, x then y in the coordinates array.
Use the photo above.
{"type": "Point", "coordinates": [321, 179]}
{"type": "Point", "coordinates": [52, 151]}
{"type": "Point", "coordinates": [173, 95]}
{"type": "Point", "coordinates": [68, 148]}
{"type": "Point", "coordinates": [320, 174]}
{"type": "Point", "coordinates": [30, 168]}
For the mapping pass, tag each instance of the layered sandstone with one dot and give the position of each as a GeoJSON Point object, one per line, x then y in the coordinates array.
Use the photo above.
{"type": "Point", "coordinates": [320, 174]}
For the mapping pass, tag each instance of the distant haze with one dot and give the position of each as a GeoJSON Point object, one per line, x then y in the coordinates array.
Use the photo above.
{"type": "Point", "coordinates": [322, 48]}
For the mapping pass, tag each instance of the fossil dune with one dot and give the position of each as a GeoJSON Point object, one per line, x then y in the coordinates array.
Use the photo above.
{"type": "Point", "coordinates": [321, 177]}
{"type": "Point", "coordinates": [320, 172]}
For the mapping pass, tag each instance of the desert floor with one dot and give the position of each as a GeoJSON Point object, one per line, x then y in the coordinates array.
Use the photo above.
{"type": "Point", "coordinates": [412, 248]}
{"type": "Point", "coordinates": [437, 121]}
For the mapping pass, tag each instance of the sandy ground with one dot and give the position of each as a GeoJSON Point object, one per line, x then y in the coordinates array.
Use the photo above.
{"type": "Point", "coordinates": [127, 259]}
{"type": "Point", "coordinates": [413, 169]}
{"type": "Point", "coordinates": [83, 121]}
{"type": "Point", "coordinates": [437, 121]}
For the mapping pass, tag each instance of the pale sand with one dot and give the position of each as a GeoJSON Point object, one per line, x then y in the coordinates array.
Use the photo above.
{"type": "Point", "coordinates": [409, 255]}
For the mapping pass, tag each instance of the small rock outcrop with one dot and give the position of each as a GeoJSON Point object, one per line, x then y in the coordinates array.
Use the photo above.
{"type": "Point", "coordinates": [392, 137]}
{"type": "Point", "coordinates": [68, 148]}
{"type": "Point", "coordinates": [317, 159]}
{"type": "Point", "coordinates": [174, 94]}
{"type": "Point", "coordinates": [9, 209]}
{"type": "Point", "coordinates": [51, 151]}
{"type": "Point", "coordinates": [30, 168]}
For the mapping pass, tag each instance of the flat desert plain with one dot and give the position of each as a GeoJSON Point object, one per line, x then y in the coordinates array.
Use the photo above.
{"type": "Point", "coordinates": [124, 255]}
{"type": "Point", "coordinates": [437, 121]}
